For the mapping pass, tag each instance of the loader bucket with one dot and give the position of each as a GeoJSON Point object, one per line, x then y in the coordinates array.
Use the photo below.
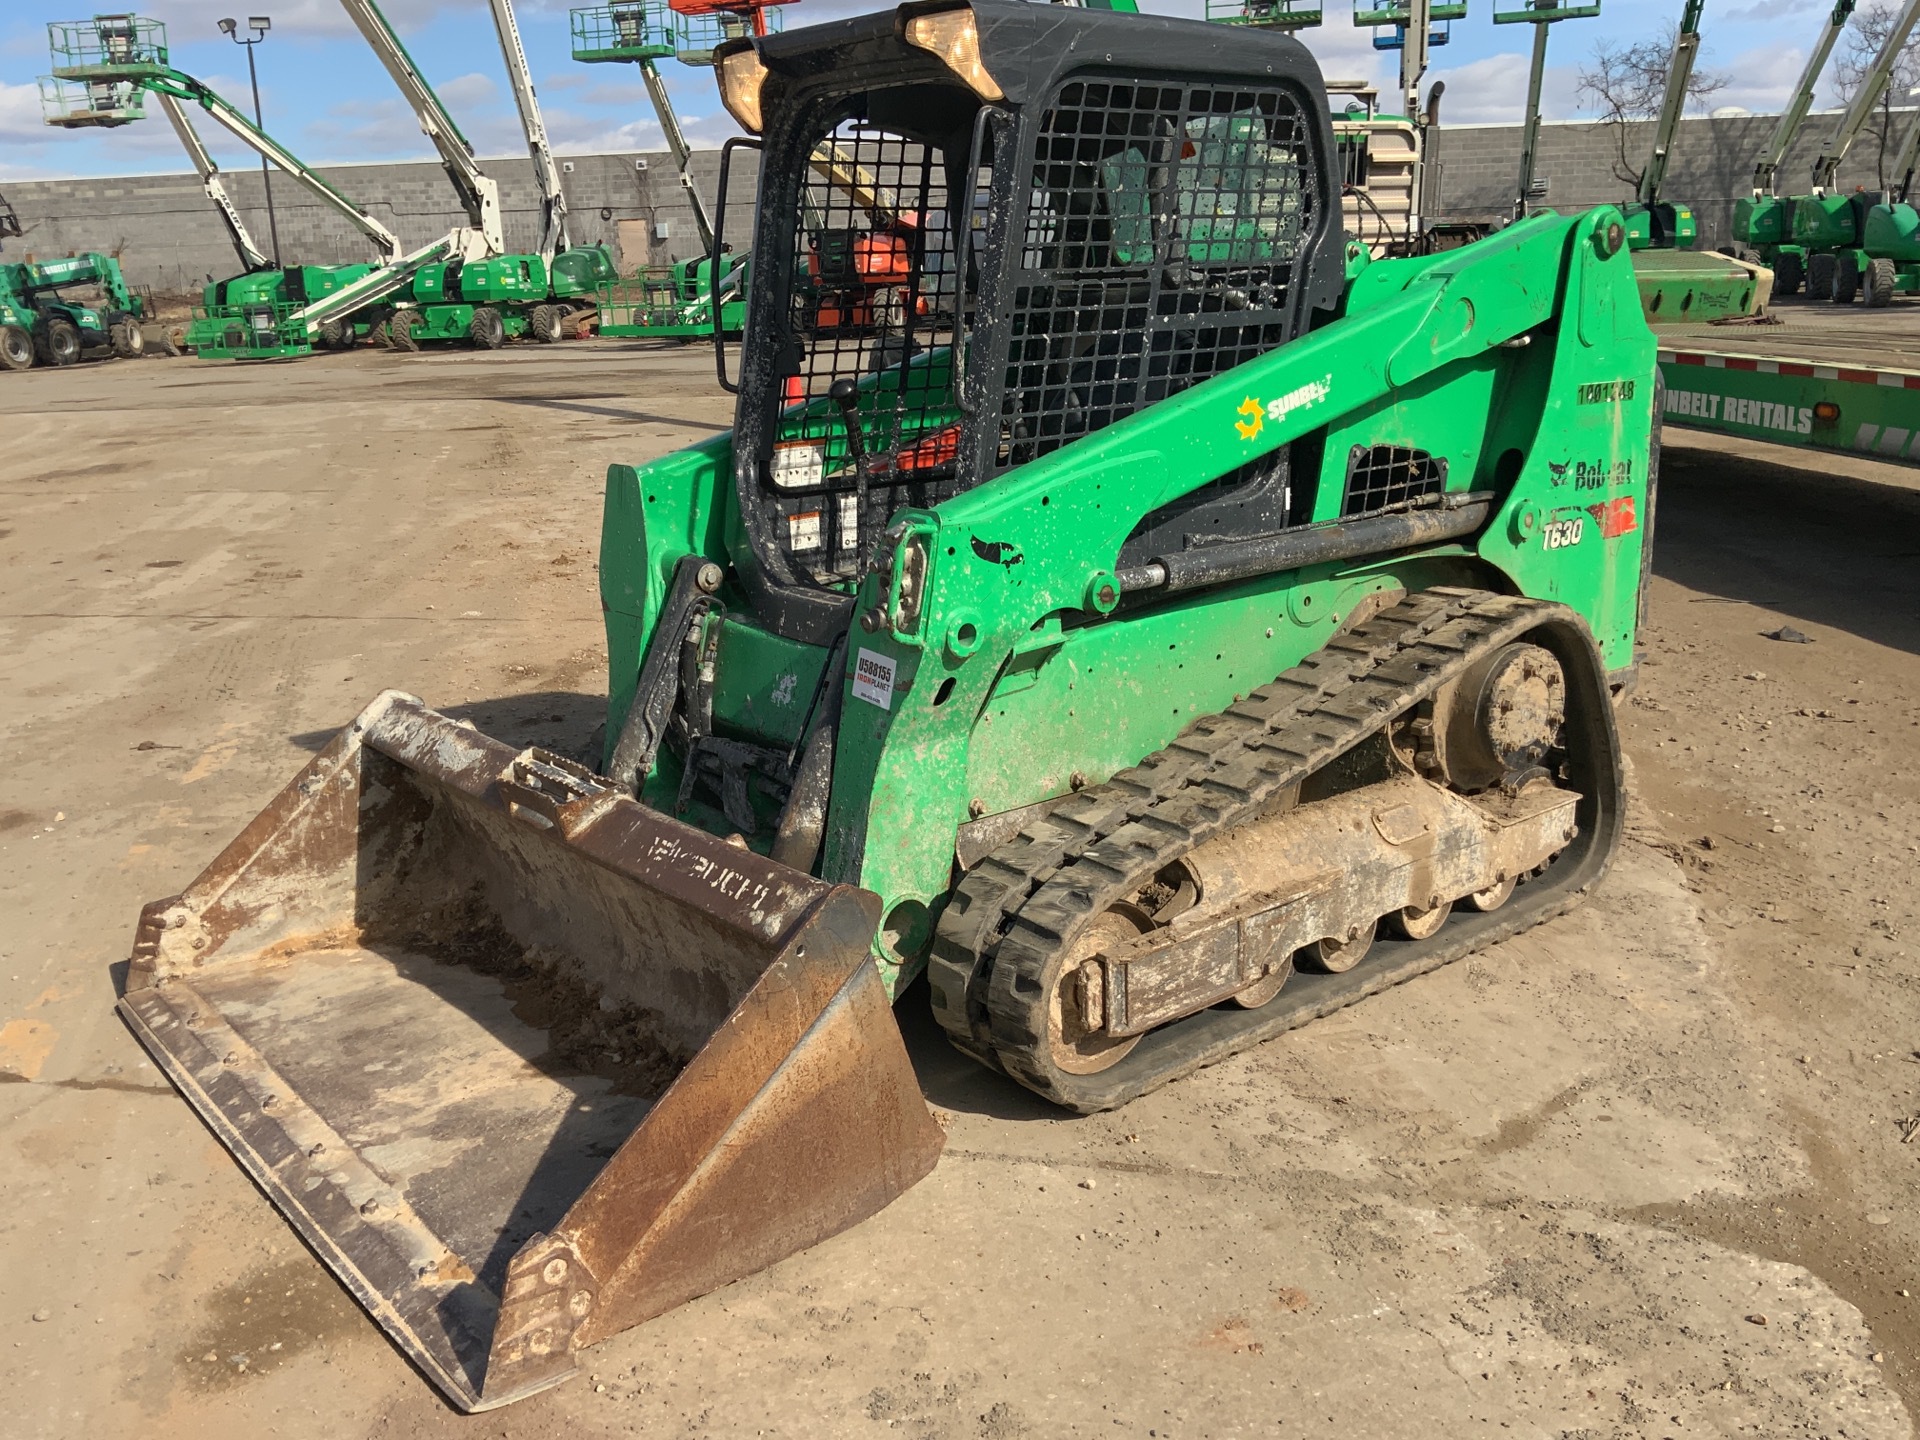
{"type": "Point", "coordinates": [525, 1062]}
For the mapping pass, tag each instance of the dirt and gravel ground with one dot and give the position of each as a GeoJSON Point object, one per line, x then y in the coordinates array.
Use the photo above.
{"type": "Point", "coordinates": [1643, 1172]}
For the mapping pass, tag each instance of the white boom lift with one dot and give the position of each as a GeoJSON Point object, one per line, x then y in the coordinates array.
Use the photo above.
{"type": "Point", "coordinates": [477, 191]}
{"type": "Point", "coordinates": [251, 255]}
{"type": "Point", "coordinates": [546, 171]}
{"type": "Point", "coordinates": [1827, 167]}
{"type": "Point", "coordinates": [1795, 113]}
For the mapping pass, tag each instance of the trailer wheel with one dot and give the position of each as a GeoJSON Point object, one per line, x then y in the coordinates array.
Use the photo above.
{"type": "Point", "coordinates": [1788, 274]}
{"type": "Point", "coordinates": [58, 342]}
{"type": "Point", "coordinates": [545, 324]}
{"type": "Point", "coordinates": [1820, 270]}
{"type": "Point", "coordinates": [487, 329]}
{"type": "Point", "coordinates": [1880, 278]}
{"type": "Point", "coordinates": [400, 331]}
{"type": "Point", "coordinates": [127, 341]}
{"type": "Point", "coordinates": [16, 348]}
{"type": "Point", "coordinates": [1846, 279]}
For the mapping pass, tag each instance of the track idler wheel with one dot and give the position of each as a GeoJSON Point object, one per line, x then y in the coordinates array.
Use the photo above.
{"type": "Point", "coordinates": [1076, 1040]}
{"type": "Point", "coordinates": [1412, 924]}
{"type": "Point", "coordinates": [1337, 954]}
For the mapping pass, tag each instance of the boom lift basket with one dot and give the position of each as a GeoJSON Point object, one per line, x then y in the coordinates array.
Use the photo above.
{"type": "Point", "coordinates": [91, 104]}
{"type": "Point", "coordinates": [525, 1062]}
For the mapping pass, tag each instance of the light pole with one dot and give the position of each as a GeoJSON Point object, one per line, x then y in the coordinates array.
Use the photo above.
{"type": "Point", "coordinates": [259, 24]}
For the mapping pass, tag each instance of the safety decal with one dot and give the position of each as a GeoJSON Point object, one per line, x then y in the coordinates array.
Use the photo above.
{"type": "Point", "coordinates": [1615, 517]}
{"type": "Point", "coordinates": [1257, 413]}
{"type": "Point", "coordinates": [873, 679]}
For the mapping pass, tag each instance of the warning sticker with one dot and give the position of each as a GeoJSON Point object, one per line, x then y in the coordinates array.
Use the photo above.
{"type": "Point", "coordinates": [873, 679]}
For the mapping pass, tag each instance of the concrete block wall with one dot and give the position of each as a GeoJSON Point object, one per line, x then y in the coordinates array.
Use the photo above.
{"type": "Point", "coordinates": [1711, 165]}
{"type": "Point", "coordinates": [169, 236]}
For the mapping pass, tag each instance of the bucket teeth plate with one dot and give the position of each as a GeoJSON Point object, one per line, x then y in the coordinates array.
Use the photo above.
{"type": "Point", "coordinates": [525, 1062]}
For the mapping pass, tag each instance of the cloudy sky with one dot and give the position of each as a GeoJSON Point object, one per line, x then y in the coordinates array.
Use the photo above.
{"type": "Point", "coordinates": [326, 97]}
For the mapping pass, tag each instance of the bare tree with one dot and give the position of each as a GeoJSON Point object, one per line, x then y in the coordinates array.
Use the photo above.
{"type": "Point", "coordinates": [1866, 36]}
{"type": "Point", "coordinates": [1626, 83]}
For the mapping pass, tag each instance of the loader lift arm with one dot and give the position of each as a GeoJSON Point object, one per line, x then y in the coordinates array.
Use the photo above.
{"type": "Point", "coordinates": [546, 171]}
{"type": "Point", "coordinates": [1794, 115]}
{"type": "Point", "coordinates": [1827, 167]}
{"type": "Point", "coordinates": [251, 256]}
{"type": "Point", "coordinates": [479, 194]}
{"type": "Point", "coordinates": [1686, 50]}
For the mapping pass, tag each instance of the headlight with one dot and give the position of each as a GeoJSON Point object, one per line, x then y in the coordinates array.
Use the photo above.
{"type": "Point", "coordinates": [954, 36]}
{"type": "Point", "coordinates": [741, 76]}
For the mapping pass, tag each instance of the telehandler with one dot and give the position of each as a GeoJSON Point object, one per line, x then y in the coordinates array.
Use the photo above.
{"type": "Point", "coordinates": [1188, 627]}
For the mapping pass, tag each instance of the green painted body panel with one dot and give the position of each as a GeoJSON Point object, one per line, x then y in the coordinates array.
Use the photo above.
{"type": "Point", "coordinates": [763, 683]}
{"type": "Point", "coordinates": [1643, 229]}
{"type": "Point", "coordinates": [1522, 359]}
{"type": "Point", "coordinates": [1824, 222]}
{"type": "Point", "coordinates": [1892, 232]}
{"type": "Point", "coordinates": [580, 271]}
{"type": "Point", "coordinates": [1766, 220]}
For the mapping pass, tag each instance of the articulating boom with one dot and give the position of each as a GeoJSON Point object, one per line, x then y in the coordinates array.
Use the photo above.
{"type": "Point", "coordinates": [1827, 167]}
{"type": "Point", "coordinates": [1795, 113]}
{"type": "Point", "coordinates": [546, 172]}
{"type": "Point", "coordinates": [1686, 49]}
{"type": "Point", "coordinates": [167, 81]}
{"type": "Point", "coordinates": [478, 193]}
{"type": "Point", "coordinates": [251, 256]}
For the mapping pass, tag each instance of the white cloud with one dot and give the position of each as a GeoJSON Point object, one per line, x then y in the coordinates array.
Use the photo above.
{"type": "Point", "coordinates": [189, 20]}
{"type": "Point", "coordinates": [475, 89]}
{"type": "Point", "coordinates": [1763, 79]}
{"type": "Point", "coordinates": [1493, 91]}
{"type": "Point", "coordinates": [20, 119]}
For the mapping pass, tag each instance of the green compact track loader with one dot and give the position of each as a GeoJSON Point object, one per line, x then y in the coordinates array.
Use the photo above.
{"type": "Point", "coordinates": [1118, 599]}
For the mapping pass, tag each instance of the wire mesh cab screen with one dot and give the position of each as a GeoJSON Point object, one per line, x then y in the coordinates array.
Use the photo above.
{"type": "Point", "coordinates": [1163, 223]}
{"type": "Point", "coordinates": [874, 300]}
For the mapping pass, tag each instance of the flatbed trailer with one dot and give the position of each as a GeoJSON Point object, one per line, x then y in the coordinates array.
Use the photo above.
{"type": "Point", "coordinates": [1827, 377]}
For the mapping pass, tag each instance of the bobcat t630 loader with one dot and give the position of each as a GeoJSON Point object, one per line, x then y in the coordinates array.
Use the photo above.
{"type": "Point", "coordinates": [1119, 598]}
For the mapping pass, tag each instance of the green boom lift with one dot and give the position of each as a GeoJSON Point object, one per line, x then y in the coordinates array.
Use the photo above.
{"type": "Point", "coordinates": [674, 300]}
{"type": "Point", "coordinates": [1890, 233]}
{"type": "Point", "coordinates": [1198, 627]}
{"type": "Point", "coordinates": [1763, 222]}
{"type": "Point", "coordinates": [102, 70]}
{"type": "Point", "coordinates": [1679, 285]}
{"type": "Point", "coordinates": [1831, 226]}
{"type": "Point", "coordinates": [486, 298]}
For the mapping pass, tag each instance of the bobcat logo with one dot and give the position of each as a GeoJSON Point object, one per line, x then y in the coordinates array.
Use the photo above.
{"type": "Point", "coordinates": [1559, 472]}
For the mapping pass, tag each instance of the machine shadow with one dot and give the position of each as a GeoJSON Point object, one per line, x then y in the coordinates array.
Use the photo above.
{"type": "Point", "coordinates": [955, 1081]}
{"type": "Point", "coordinates": [1831, 549]}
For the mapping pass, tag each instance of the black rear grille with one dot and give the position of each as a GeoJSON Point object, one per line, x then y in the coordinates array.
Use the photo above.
{"type": "Point", "coordinates": [1388, 477]}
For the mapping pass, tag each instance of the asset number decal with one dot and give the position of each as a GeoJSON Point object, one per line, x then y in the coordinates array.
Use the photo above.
{"type": "Point", "coordinates": [1561, 534]}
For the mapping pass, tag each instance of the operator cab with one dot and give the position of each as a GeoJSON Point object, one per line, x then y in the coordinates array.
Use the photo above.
{"type": "Point", "coordinates": [984, 234]}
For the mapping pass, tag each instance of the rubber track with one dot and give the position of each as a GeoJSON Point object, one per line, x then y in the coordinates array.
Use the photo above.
{"type": "Point", "coordinates": [1018, 907]}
